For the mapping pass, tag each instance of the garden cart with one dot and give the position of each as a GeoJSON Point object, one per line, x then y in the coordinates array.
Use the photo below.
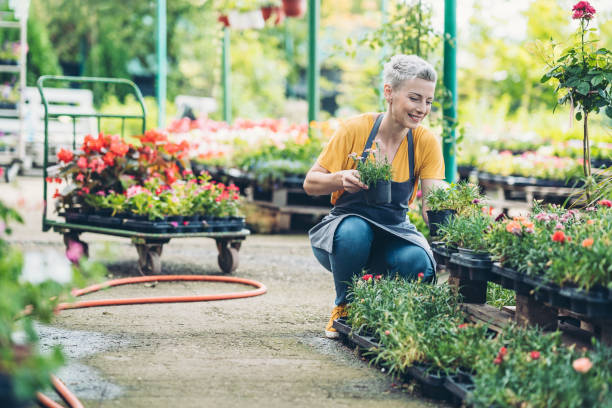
{"type": "Point", "coordinates": [148, 244]}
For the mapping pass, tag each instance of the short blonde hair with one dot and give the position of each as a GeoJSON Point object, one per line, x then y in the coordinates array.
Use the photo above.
{"type": "Point", "coordinates": [403, 67]}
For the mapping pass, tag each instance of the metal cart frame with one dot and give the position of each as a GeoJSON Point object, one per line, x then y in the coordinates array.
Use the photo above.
{"type": "Point", "coordinates": [148, 245]}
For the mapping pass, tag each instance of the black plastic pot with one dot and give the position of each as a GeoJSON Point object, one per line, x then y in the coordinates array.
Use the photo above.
{"type": "Point", "coordinates": [477, 265]}
{"type": "Point", "coordinates": [155, 227]}
{"type": "Point", "coordinates": [442, 253]}
{"type": "Point", "coordinates": [236, 223]}
{"type": "Point", "coordinates": [459, 386]}
{"type": "Point", "coordinates": [438, 218]}
{"type": "Point", "coordinates": [511, 279]}
{"type": "Point", "coordinates": [596, 303]}
{"type": "Point", "coordinates": [379, 194]}
{"type": "Point", "coordinates": [75, 217]}
{"type": "Point", "coordinates": [432, 384]}
{"type": "Point", "coordinates": [543, 291]}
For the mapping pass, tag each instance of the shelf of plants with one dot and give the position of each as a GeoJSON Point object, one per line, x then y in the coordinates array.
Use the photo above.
{"type": "Point", "coordinates": [554, 256]}
{"type": "Point", "coordinates": [420, 333]}
{"type": "Point", "coordinates": [266, 155]}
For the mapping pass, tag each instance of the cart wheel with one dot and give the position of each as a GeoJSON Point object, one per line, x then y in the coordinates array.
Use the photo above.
{"type": "Point", "coordinates": [71, 238]}
{"type": "Point", "coordinates": [149, 259]}
{"type": "Point", "coordinates": [227, 258]}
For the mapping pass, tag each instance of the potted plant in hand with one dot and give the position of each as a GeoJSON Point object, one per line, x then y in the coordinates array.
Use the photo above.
{"type": "Point", "coordinates": [374, 172]}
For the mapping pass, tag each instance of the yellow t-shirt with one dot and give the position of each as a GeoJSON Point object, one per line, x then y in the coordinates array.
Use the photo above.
{"type": "Point", "coordinates": [352, 136]}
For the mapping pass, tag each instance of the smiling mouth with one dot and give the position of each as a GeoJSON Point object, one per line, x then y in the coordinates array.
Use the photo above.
{"type": "Point", "coordinates": [415, 118]}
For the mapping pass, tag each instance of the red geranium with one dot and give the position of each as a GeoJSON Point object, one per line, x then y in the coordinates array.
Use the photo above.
{"type": "Point", "coordinates": [606, 203]}
{"type": "Point", "coordinates": [558, 236]}
{"type": "Point", "coordinates": [65, 156]}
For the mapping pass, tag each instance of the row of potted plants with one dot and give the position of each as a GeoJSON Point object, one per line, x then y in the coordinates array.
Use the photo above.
{"type": "Point", "coordinates": [147, 186]}
{"type": "Point", "coordinates": [561, 254]}
{"type": "Point", "coordinates": [418, 331]}
{"type": "Point", "coordinates": [267, 151]}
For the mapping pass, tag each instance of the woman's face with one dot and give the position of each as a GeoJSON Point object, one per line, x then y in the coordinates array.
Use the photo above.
{"type": "Point", "coordinates": [410, 102]}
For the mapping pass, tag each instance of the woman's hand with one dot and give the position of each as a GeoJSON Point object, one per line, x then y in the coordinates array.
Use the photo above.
{"type": "Point", "coordinates": [351, 181]}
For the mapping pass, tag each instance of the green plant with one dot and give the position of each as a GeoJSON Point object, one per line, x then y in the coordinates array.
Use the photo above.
{"type": "Point", "coordinates": [532, 368]}
{"type": "Point", "coordinates": [499, 297]}
{"type": "Point", "coordinates": [31, 287]}
{"type": "Point", "coordinates": [462, 197]}
{"type": "Point", "coordinates": [583, 74]}
{"type": "Point", "coordinates": [467, 231]}
{"type": "Point", "coordinates": [373, 169]}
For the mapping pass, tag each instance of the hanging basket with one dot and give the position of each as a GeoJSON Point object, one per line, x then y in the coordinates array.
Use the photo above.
{"type": "Point", "coordinates": [276, 13]}
{"type": "Point", "coordinates": [294, 8]}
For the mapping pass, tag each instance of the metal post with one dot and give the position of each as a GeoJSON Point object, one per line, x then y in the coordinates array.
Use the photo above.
{"type": "Point", "coordinates": [23, 41]}
{"type": "Point", "coordinates": [161, 63]}
{"type": "Point", "coordinates": [384, 53]}
{"type": "Point", "coordinates": [314, 9]}
{"type": "Point", "coordinates": [225, 76]}
{"type": "Point", "coordinates": [450, 82]}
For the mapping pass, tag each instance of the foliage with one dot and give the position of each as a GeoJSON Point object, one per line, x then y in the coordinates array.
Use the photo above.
{"type": "Point", "coordinates": [462, 197]}
{"type": "Point", "coordinates": [31, 287]}
{"type": "Point", "coordinates": [499, 297]}
{"type": "Point", "coordinates": [531, 368]}
{"type": "Point", "coordinates": [467, 231]}
{"type": "Point", "coordinates": [567, 247]}
{"type": "Point", "coordinates": [583, 74]}
{"type": "Point", "coordinates": [374, 168]}
{"type": "Point", "coordinates": [531, 164]}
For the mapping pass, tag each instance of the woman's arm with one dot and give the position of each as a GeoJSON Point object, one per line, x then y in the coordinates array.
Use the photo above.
{"type": "Point", "coordinates": [319, 181]}
{"type": "Point", "coordinates": [426, 186]}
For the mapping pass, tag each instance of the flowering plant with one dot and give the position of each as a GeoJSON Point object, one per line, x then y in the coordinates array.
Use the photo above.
{"type": "Point", "coordinates": [460, 197]}
{"type": "Point", "coordinates": [583, 74]}
{"type": "Point", "coordinates": [31, 286]}
{"type": "Point", "coordinates": [467, 231]}
{"type": "Point", "coordinates": [373, 169]}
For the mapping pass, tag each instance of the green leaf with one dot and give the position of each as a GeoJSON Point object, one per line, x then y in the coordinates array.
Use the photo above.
{"type": "Point", "coordinates": [583, 88]}
{"type": "Point", "coordinates": [578, 116]}
{"type": "Point", "coordinates": [597, 80]}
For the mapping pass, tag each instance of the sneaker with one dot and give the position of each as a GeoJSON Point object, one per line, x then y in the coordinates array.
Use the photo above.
{"type": "Point", "coordinates": [338, 312]}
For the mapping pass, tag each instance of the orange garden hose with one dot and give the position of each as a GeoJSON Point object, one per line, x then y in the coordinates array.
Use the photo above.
{"type": "Point", "coordinates": [61, 389]}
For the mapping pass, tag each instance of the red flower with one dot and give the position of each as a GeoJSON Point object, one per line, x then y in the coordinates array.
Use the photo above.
{"type": "Point", "coordinates": [503, 351]}
{"type": "Point", "coordinates": [56, 194]}
{"type": "Point", "coordinates": [80, 177]}
{"type": "Point", "coordinates": [606, 203]}
{"type": "Point", "coordinates": [58, 179]}
{"type": "Point", "coordinates": [497, 361]}
{"type": "Point", "coordinates": [49, 179]}
{"type": "Point", "coordinates": [118, 148]}
{"type": "Point", "coordinates": [109, 158]}
{"type": "Point", "coordinates": [583, 9]}
{"type": "Point", "coordinates": [65, 156]}
{"type": "Point", "coordinates": [378, 277]}
{"type": "Point", "coordinates": [462, 325]}
{"type": "Point", "coordinates": [534, 355]}
{"type": "Point", "coordinates": [367, 277]}
{"type": "Point", "coordinates": [387, 332]}
{"type": "Point", "coordinates": [421, 275]}
{"type": "Point", "coordinates": [558, 236]}
{"type": "Point", "coordinates": [85, 190]}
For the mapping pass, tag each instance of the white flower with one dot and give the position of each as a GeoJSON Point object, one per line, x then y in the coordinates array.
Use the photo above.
{"type": "Point", "coordinates": [40, 266]}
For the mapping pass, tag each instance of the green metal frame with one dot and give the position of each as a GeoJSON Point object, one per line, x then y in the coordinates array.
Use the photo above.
{"type": "Point", "coordinates": [47, 224]}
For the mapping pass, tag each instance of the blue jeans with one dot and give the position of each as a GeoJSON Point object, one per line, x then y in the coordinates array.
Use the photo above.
{"type": "Point", "coordinates": [360, 246]}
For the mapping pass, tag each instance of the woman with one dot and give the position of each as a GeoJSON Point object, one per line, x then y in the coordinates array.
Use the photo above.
{"type": "Point", "coordinates": [357, 236]}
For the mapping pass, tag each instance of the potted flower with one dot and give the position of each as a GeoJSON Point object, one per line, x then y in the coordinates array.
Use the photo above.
{"type": "Point", "coordinates": [374, 172]}
{"type": "Point", "coordinates": [443, 202]}
{"type": "Point", "coordinates": [294, 8]}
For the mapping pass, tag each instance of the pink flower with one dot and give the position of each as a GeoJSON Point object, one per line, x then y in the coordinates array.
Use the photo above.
{"type": "Point", "coordinates": [534, 355]}
{"type": "Point", "coordinates": [367, 277]}
{"type": "Point", "coordinates": [74, 251]}
{"type": "Point", "coordinates": [582, 365]}
{"type": "Point", "coordinates": [606, 203]}
{"type": "Point", "coordinates": [174, 224]}
{"type": "Point", "coordinates": [584, 10]}
{"type": "Point", "coordinates": [387, 332]}
{"type": "Point", "coordinates": [378, 277]}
